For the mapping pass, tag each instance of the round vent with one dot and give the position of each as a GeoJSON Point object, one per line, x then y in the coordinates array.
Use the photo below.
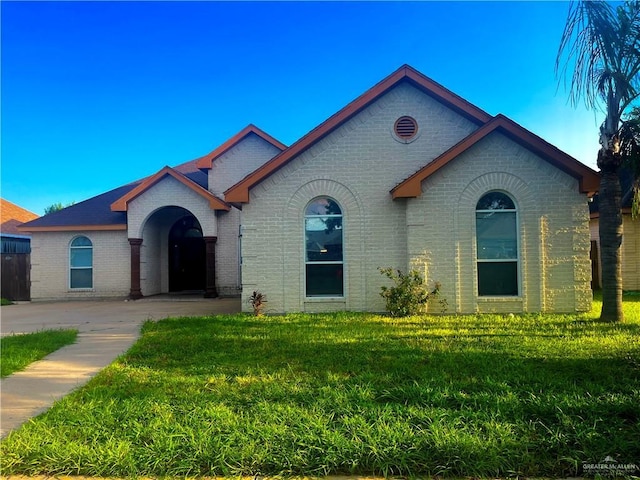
{"type": "Point", "coordinates": [406, 128]}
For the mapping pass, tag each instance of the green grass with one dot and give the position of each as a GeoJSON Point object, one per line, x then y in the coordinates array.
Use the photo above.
{"type": "Point", "coordinates": [18, 351]}
{"type": "Point", "coordinates": [301, 394]}
{"type": "Point", "coordinates": [5, 301]}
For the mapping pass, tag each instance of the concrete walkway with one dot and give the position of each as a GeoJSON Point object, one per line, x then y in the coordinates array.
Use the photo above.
{"type": "Point", "coordinates": [106, 329]}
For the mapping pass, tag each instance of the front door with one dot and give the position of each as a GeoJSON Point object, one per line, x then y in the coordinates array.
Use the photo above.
{"type": "Point", "coordinates": [187, 269]}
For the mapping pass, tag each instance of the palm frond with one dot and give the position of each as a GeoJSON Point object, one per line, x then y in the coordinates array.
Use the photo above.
{"type": "Point", "coordinates": [600, 50]}
{"type": "Point", "coordinates": [630, 142]}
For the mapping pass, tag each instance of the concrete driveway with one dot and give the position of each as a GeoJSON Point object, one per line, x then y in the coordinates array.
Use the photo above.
{"type": "Point", "coordinates": [106, 329]}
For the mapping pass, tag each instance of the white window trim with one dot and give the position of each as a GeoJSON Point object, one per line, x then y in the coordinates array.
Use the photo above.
{"type": "Point", "coordinates": [71, 267]}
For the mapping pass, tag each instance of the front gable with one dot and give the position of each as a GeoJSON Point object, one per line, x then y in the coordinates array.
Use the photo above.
{"type": "Point", "coordinates": [121, 204]}
{"type": "Point", "coordinates": [206, 162]}
{"type": "Point", "coordinates": [587, 178]}
{"type": "Point", "coordinates": [404, 75]}
{"type": "Point", "coordinates": [479, 123]}
{"type": "Point", "coordinates": [250, 152]}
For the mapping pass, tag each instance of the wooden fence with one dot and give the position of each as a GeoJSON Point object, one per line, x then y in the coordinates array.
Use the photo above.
{"type": "Point", "coordinates": [16, 278]}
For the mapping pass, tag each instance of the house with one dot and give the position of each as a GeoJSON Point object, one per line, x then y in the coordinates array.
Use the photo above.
{"type": "Point", "coordinates": [169, 232]}
{"type": "Point", "coordinates": [15, 251]}
{"type": "Point", "coordinates": [408, 175]}
{"type": "Point", "coordinates": [630, 238]}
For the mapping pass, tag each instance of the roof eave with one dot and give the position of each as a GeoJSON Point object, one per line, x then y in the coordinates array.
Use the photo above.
{"type": "Point", "coordinates": [73, 228]}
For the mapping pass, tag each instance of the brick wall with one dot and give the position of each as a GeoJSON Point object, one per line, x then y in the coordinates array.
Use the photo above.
{"type": "Point", "coordinates": [227, 257]}
{"type": "Point", "coordinates": [361, 161]}
{"type": "Point", "coordinates": [50, 265]}
{"type": "Point", "coordinates": [553, 232]}
{"type": "Point", "coordinates": [238, 162]}
{"type": "Point", "coordinates": [357, 165]}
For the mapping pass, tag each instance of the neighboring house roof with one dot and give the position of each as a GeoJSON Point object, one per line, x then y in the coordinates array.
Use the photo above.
{"type": "Point", "coordinates": [122, 203]}
{"type": "Point", "coordinates": [206, 161]}
{"type": "Point", "coordinates": [626, 186]}
{"type": "Point", "coordinates": [240, 191]}
{"type": "Point", "coordinates": [11, 216]}
{"type": "Point", "coordinates": [588, 179]}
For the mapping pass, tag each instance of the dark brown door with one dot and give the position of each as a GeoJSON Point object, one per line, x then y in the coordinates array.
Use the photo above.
{"type": "Point", "coordinates": [16, 270]}
{"type": "Point", "coordinates": [186, 256]}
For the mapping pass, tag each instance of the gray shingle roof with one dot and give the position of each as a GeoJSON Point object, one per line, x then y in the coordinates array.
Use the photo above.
{"type": "Point", "coordinates": [94, 211]}
{"type": "Point", "coordinates": [97, 210]}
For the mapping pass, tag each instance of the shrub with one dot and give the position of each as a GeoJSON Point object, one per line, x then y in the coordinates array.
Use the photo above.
{"type": "Point", "coordinates": [257, 301]}
{"type": "Point", "coordinates": [409, 295]}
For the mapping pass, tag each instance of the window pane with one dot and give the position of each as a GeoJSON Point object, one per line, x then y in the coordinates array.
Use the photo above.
{"type": "Point", "coordinates": [324, 280]}
{"type": "Point", "coordinates": [81, 257]}
{"type": "Point", "coordinates": [495, 201]}
{"type": "Point", "coordinates": [496, 235]}
{"type": "Point", "coordinates": [323, 206]}
{"type": "Point", "coordinates": [324, 239]}
{"type": "Point", "coordinates": [81, 242]}
{"type": "Point", "coordinates": [81, 278]}
{"type": "Point", "coordinates": [498, 278]}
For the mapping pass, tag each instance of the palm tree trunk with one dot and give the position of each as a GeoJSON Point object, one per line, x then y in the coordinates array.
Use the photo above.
{"type": "Point", "coordinates": [610, 225]}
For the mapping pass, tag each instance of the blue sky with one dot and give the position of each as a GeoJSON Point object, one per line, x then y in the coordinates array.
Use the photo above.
{"type": "Point", "coordinates": [98, 94]}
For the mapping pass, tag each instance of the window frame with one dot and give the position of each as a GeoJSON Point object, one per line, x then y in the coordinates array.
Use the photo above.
{"type": "Point", "coordinates": [308, 262]}
{"type": "Point", "coordinates": [73, 268]}
{"type": "Point", "coordinates": [515, 260]}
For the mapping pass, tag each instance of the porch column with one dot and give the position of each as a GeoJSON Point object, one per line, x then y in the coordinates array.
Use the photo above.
{"type": "Point", "coordinates": [135, 293]}
{"type": "Point", "coordinates": [210, 260]}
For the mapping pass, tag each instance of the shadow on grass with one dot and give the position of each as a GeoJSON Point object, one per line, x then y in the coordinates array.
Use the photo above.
{"type": "Point", "coordinates": [355, 394]}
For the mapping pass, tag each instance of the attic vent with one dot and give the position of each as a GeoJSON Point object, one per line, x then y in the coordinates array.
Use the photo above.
{"type": "Point", "coordinates": [405, 128]}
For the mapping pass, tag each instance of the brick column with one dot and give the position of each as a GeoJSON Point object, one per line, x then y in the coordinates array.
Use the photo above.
{"type": "Point", "coordinates": [135, 292]}
{"type": "Point", "coordinates": [210, 260]}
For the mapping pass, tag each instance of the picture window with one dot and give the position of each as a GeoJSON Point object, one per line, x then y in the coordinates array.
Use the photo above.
{"type": "Point", "coordinates": [324, 264]}
{"type": "Point", "coordinates": [497, 245]}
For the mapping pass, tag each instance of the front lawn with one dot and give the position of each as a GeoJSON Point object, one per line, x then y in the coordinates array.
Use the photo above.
{"type": "Point", "coordinates": [18, 351]}
{"type": "Point", "coordinates": [487, 395]}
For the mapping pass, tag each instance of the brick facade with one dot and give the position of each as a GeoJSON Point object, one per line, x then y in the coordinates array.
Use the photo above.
{"type": "Point", "coordinates": [356, 158]}
{"type": "Point", "coordinates": [50, 265]}
{"type": "Point", "coordinates": [362, 160]}
{"type": "Point", "coordinates": [150, 217]}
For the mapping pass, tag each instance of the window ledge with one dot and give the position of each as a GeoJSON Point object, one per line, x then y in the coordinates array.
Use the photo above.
{"type": "Point", "coordinates": [499, 299]}
{"type": "Point", "coordinates": [323, 299]}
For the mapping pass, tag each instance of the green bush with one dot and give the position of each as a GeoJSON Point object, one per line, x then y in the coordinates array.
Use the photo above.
{"type": "Point", "coordinates": [409, 295]}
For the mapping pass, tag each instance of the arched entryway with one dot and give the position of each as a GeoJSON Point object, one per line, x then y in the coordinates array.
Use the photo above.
{"type": "Point", "coordinates": [187, 256]}
{"type": "Point", "coordinates": [173, 254]}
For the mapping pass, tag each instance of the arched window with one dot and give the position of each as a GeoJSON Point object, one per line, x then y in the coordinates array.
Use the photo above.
{"type": "Point", "coordinates": [324, 265]}
{"type": "Point", "coordinates": [497, 245]}
{"type": "Point", "coordinates": [81, 263]}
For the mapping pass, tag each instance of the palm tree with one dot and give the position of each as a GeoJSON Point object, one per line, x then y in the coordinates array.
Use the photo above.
{"type": "Point", "coordinates": [601, 45]}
